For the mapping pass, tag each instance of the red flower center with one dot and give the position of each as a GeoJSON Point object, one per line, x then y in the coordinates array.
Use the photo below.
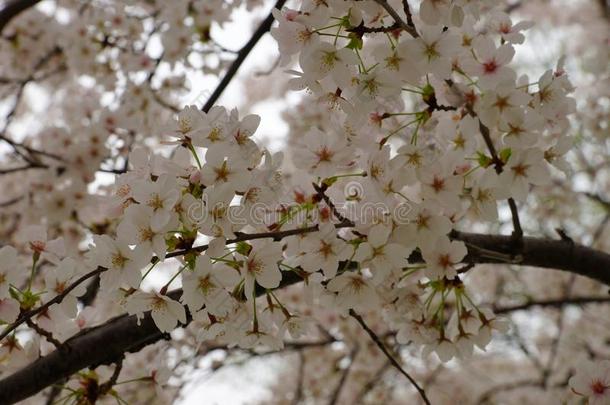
{"type": "Point", "coordinates": [598, 387]}
{"type": "Point", "coordinates": [490, 66]}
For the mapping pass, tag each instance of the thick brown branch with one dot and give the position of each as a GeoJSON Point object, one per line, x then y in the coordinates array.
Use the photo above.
{"type": "Point", "coordinates": [12, 9]}
{"type": "Point", "coordinates": [104, 344]}
{"type": "Point", "coordinates": [537, 252]}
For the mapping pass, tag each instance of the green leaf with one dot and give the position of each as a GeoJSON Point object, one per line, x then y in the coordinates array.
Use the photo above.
{"type": "Point", "coordinates": [505, 154]}
{"type": "Point", "coordinates": [428, 91]}
{"type": "Point", "coordinates": [483, 160]}
{"type": "Point", "coordinates": [243, 248]}
{"type": "Point", "coordinates": [355, 42]}
{"type": "Point", "coordinates": [329, 181]}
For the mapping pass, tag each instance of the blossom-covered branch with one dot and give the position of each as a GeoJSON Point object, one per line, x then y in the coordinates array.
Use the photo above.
{"type": "Point", "coordinates": [125, 334]}
{"type": "Point", "coordinates": [417, 143]}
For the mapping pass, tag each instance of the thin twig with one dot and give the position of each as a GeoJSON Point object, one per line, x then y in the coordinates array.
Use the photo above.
{"type": "Point", "coordinates": [107, 386]}
{"type": "Point", "coordinates": [387, 353]}
{"type": "Point", "coordinates": [47, 335]}
{"type": "Point", "coordinates": [321, 192]}
{"type": "Point", "coordinates": [337, 391]}
{"type": "Point", "coordinates": [552, 303]}
{"type": "Point", "coordinates": [498, 165]}
{"type": "Point", "coordinates": [407, 10]}
{"type": "Point", "coordinates": [411, 30]}
{"type": "Point", "coordinates": [241, 56]}
{"type": "Point", "coordinates": [56, 300]}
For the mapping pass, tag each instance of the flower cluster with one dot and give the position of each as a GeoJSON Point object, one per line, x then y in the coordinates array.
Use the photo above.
{"type": "Point", "coordinates": [415, 126]}
{"type": "Point", "coordinates": [431, 117]}
{"type": "Point", "coordinates": [430, 124]}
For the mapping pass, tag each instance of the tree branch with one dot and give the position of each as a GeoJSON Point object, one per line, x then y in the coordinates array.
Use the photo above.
{"type": "Point", "coordinates": [241, 56]}
{"type": "Point", "coordinates": [552, 303]}
{"type": "Point", "coordinates": [26, 316]}
{"type": "Point", "coordinates": [337, 391]}
{"type": "Point", "coordinates": [405, 26]}
{"type": "Point", "coordinates": [389, 355]}
{"type": "Point", "coordinates": [107, 342]}
{"type": "Point", "coordinates": [12, 9]}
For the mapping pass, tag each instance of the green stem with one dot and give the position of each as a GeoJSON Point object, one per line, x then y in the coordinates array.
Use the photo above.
{"type": "Point", "coordinates": [33, 272]}
{"type": "Point", "coordinates": [194, 152]}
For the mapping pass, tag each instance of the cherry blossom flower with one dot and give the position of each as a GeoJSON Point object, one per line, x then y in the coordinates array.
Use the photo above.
{"type": "Point", "coordinates": [378, 83]}
{"type": "Point", "coordinates": [140, 227]}
{"type": "Point", "coordinates": [324, 59]}
{"type": "Point", "coordinates": [592, 381]}
{"type": "Point", "coordinates": [261, 266]}
{"type": "Point", "coordinates": [424, 227]}
{"type": "Point", "coordinates": [160, 196]}
{"type": "Point", "coordinates": [292, 34]}
{"type": "Point", "coordinates": [414, 331]}
{"type": "Point", "coordinates": [432, 11]}
{"type": "Point", "coordinates": [489, 323]}
{"type": "Point", "coordinates": [124, 264]}
{"type": "Point", "coordinates": [159, 376]}
{"type": "Point", "coordinates": [189, 120]}
{"type": "Point", "coordinates": [434, 49]}
{"type": "Point", "coordinates": [381, 255]}
{"type": "Point", "coordinates": [490, 62]}
{"type": "Point", "coordinates": [261, 337]}
{"type": "Point", "coordinates": [524, 167]}
{"type": "Point", "coordinates": [296, 326]}
{"type": "Point", "coordinates": [165, 312]}
{"type": "Point", "coordinates": [442, 258]}
{"type": "Point", "coordinates": [241, 139]}
{"type": "Point", "coordinates": [323, 250]}
{"type": "Point", "coordinates": [218, 170]}
{"type": "Point", "coordinates": [206, 284]}
{"type": "Point", "coordinates": [58, 278]}
{"type": "Point", "coordinates": [493, 105]}
{"type": "Point", "coordinates": [398, 61]}
{"type": "Point", "coordinates": [440, 184]}
{"type": "Point", "coordinates": [52, 250]}
{"type": "Point", "coordinates": [484, 195]}
{"type": "Point", "coordinates": [215, 217]}
{"type": "Point", "coordinates": [323, 154]}
{"type": "Point", "coordinates": [555, 153]}
{"type": "Point", "coordinates": [463, 134]}
{"type": "Point", "coordinates": [353, 292]}
{"type": "Point", "coordinates": [215, 130]}
{"type": "Point", "coordinates": [501, 23]}
{"type": "Point", "coordinates": [55, 320]}
{"type": "Point", "coordinates": [444, 348]}
{"type": "Point", "coordinates": [521, 128]}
